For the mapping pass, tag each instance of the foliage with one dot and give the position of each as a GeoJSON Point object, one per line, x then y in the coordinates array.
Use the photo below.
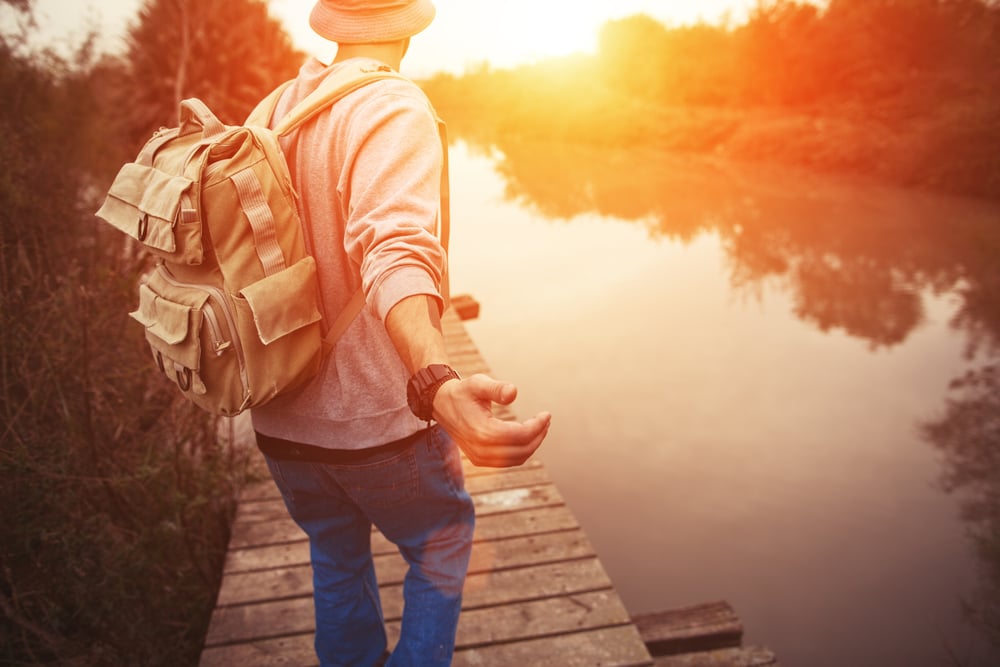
{"type": "Point", "coordinates": [229, 54]}
{"type": "Point", "coordinates": [117, 493]}
{"type": "Point", "coordinates": [903, 90]}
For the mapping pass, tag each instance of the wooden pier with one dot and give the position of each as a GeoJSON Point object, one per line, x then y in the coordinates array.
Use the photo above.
{"type": "Point", "coordinates": [536, 592]}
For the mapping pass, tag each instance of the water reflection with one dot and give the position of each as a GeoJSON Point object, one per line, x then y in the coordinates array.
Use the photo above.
{"type": "Point", "coordinates": [850, 266]}
{"type": "Point", "coordinates": [968, 436]}
{"type": "Point", "coordinates": [861, 265]}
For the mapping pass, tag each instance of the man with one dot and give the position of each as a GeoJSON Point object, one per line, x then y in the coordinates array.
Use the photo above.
{"type": "Point", "coordinates": [355, 446]}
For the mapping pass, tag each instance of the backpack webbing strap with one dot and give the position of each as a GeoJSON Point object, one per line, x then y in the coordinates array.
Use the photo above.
{"type": "Point", "coordinates": [255, 207]}
{"type": "Point", "coordinates": [344, 320]}
{"type": "Point", "coordinates": [444, 212]}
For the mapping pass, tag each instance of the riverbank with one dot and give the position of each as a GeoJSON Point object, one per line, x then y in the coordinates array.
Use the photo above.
{"type": "Point", "coordinates": [902, 93]}
{"type": "Point", "coordinates": [952, 148]}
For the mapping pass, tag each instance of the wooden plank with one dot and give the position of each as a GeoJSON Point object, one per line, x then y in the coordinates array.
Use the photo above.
{"type": "Point", "coordinates": [753, 656]}
{"type": "Point", "coordinates": [473, 471]}
{"type": "Point", "coordinates": [266, 490]}
{"type": "Point", "coordinates": [515, 479]}
{"type": "Point", "coordinates": [285, 552]}
{"type": "Point", "coordinates": [481, 588]}
{"type": "Point", "coordinates": [505, 500]}
{"type": "Point", "coordinates": [266, 620]}
{"type": "Point", "coordinates": [540, 618]}
{"type": "Point", "coordinates": [489, 527]}
{"type": "Point", "coordinates": [702, 627]}
{"type": "Point", "coordinates": [485, 589]}
{"type": "Point", "coordinates": [250, 534]}
{"type": "Point", "coordinates": [482, 482]}
{"type": "Point", "coordinates": [516, 500]}
{"type": "Point", "coordinates": [294, 651]}
{"type": "Point", "coordinates": [611, 647]}
{"type": "Point", "coordinates": [465, 306]}
{"type": "Point", "coordinates": [510, 552]}
{"type": "Point", "coordinates": [268, 617]}
{"type": "Point", "coordinates": [460, 350]}
{"type": "Point", "coordinates": [510, 622]}
{"type": "Point", "coordinates": [535, 521]}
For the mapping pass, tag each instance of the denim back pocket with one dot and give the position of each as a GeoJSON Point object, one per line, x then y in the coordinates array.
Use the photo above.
{"type": "Point", "coordinates": [382, 484]}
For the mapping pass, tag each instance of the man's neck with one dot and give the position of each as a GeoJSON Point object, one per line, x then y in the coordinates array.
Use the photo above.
{"type": "Point", "coordinates": [390, 53]}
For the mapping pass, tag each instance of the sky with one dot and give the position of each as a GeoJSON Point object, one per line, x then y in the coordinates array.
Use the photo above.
{"type": "Point", "coordinates": [465, 33]}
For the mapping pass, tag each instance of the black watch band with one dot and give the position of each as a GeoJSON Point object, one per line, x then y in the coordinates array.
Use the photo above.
{"type": "Point", "coordinates": [423, 387]}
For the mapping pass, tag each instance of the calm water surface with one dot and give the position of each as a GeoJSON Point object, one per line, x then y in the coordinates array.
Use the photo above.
{"type": "Point", "coordinates": [751, 375]}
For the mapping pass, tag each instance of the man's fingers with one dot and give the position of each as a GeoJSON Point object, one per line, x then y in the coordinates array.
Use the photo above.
{"type": "Point", "coordinates": [512, 433]}
{"type": "Point", "coordinates": [509, 443]}
{"type": "Point", "coordinates": [506, 456]}
{"type": "Point", "coordinates": [500, 457]}
{"type": "Point", "coordinates": [487, 440]}
{"type": "Point", "coordinates": [496, 391]}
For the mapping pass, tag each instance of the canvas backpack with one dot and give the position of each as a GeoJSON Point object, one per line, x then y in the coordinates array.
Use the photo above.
{"type": "Point", "coordinates": [231, 311]}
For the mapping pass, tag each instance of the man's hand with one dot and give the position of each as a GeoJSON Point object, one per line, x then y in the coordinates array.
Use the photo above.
{"type": "Point", "coordinates": [464, 408]}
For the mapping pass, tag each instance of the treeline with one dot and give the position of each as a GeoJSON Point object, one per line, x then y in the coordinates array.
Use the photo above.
{"type": "Point", "coordinates": [117, 495]}
{"type": "Point", "coordinates": [906, 91]}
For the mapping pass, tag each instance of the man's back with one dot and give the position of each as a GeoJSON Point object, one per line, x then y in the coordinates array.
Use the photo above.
{"type": "Point", "coordinates": [368, 176]}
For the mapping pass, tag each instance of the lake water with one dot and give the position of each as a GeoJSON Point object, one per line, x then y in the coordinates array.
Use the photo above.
{"type": "Point", "coordinates": [750, 374]}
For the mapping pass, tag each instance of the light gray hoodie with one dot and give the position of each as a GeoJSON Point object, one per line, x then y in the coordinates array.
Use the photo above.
{"type": "Point", "coordinates": [368, 175]}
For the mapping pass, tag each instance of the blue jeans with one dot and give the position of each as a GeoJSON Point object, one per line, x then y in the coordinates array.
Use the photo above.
{"type": "Point", "coordinates": [417, 499]}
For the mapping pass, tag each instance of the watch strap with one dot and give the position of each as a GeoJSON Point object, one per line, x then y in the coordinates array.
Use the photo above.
{"type": "Point", "coordinates": [424, 385]}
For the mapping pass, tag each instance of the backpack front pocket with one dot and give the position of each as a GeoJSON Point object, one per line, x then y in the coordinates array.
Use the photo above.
{"type": "Point", "coordinates": [189, 329]}
{"type": "Point", "coordinates": [280, 327]}
{"type": "Point", "coordinates": [284, 302]}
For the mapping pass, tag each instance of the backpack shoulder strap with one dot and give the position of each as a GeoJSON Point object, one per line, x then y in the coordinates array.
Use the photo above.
{"type": "Point", "coordinates": [332, 89]}
{"type": "Point", "coordinates": [261, 114]}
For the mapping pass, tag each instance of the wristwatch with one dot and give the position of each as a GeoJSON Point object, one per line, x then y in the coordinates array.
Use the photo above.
{"type": "Point", "coordinates": [423, 387]}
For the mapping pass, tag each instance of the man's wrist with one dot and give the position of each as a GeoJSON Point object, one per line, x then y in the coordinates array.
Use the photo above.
{"type": "Point", "coordinates": [423, 387]}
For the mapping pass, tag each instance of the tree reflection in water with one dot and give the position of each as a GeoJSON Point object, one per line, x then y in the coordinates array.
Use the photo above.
{"type": "Point", "coordinates": [968, 432]}
{"type": "Point", "coordinates": [855, 258]}
{"type": "Point", "coordinates": [968, 435]}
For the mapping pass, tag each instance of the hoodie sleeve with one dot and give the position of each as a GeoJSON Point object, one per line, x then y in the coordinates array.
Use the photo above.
{"type": "Point", "coordinates": [392, 193]}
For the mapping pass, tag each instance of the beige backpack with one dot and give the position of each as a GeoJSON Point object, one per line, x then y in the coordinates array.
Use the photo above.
{"type": "Point", "coordinates": [231, 311]}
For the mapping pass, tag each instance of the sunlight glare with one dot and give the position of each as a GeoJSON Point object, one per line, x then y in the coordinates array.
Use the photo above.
{"type": "Point", "coordinates": [470, 32]}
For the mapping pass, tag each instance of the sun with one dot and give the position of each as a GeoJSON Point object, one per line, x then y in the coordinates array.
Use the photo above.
{"type": "Point", "coordinates": [546, 29]}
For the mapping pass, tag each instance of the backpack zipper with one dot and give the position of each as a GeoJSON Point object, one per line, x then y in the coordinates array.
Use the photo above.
{"type": "Point", "coordinates": [219, 298]}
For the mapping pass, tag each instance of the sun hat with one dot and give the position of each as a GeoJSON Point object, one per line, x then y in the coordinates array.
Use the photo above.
{"type": "Point", "coordinates": [370, 21]}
